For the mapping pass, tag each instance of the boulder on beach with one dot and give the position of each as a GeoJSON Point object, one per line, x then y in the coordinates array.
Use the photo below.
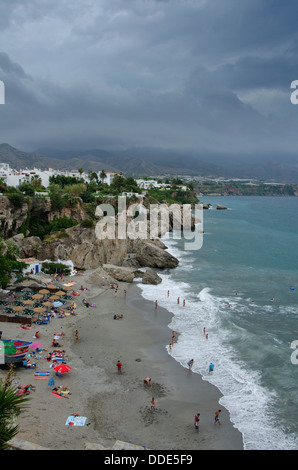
{"type": "Point", "coordinates": [152, 256]}
{"type": "Point", "coordinates": [151, 277]}
{"type": "Point", "coordinates": [100, 277]}
{"type": "Point", "coordinates": [120, 273]}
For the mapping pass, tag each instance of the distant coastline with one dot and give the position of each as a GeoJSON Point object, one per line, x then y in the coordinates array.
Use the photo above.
{"type": "Point", "coordinates": [243, 188]}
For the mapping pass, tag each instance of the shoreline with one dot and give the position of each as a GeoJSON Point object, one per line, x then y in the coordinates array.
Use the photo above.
{"type": "Point", "coordinates": [117, 407]}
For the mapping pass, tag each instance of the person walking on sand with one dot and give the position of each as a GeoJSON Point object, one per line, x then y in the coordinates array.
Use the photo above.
{"type": "Point", "coordinates": [156, 304]}
{"type": "Point", "coordinates": [196, 423]}
{"type": "Point", "coordinates": [77, 336]}
{"type": "Point", "coordinates": [147, 382]}
{"type": "Point", "coordinates": [216, 417]}
{"type": "Point", "coordinates": [119, 367]}
{"type": "Point", "coordinates": [152, 408]}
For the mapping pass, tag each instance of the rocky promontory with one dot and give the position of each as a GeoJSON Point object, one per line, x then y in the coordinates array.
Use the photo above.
{"type": "Point", "coordinates": [116, 258]}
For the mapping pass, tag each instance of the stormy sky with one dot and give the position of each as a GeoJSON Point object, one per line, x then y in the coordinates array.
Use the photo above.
{"type": "Point", "coordinates": [209, 76]}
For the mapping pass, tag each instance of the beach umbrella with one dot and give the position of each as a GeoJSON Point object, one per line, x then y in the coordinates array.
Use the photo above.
{"type": "Point", "coordinates": [39, 310]}
{"type": "Point", "coordinates": [28, 302]}
{"type": "Point", "coordinates": [48, 304]}
{"type": "Point", "coordinates": [43, 291]}
{"type": "Point", "coordinates": [51, 382]}
{"type": "Point", "coordinates": [54, 297]}
{"type": "Point", "coordinates": [67, 288]}
{"type": "Point", "coordinates": [57, 304]}
{"type": "Point", "coordinates": [37, 296]}
{"type": "Point", "coordinates": [18, 308]}
{"type": "Point", "coordinates": [60, 292]}
{"type": "Point", "coordinates": [51, 286]}
{"type": "Point", "coordinates": [61, 368]}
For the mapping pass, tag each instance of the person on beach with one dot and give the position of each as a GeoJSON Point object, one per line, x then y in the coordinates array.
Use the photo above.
{"type": "Point", "coordinates": [156, 304]}
{"type": "Point", "coordinates": [211, 368]}
{"type": "Point", "coordinates": [190, 364]}
{"type": "Point", "coordinates": [183, 302]}
{"type": "Point", "coordinates": [119, 367]}
{"type": "Point", "coordinates": [147, 382]}
{"type": "Point", "coordinates": [216, 418]}
{"type": "Point", "coordinates": [168, 293]}
{"type": "Point", "coordinates": [152, 408]}
{"type": "Point", "coordinates": [196, 423]}
{"type": "Point", "coordinates": [77, 336]}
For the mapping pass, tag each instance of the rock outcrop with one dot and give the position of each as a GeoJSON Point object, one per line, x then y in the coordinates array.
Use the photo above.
{"type": "Point", "coordinates": [151, 277]}
{"type": "Point", "coordinates": [100, 278]}
{"type": "Point", "coordinates": [120, 273]}
{"type": "Point", "coordinates": [149, 254]}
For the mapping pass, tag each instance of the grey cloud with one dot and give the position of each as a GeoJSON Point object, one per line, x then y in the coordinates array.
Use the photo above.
{"type": "Point", "coordinates": [193, 74]}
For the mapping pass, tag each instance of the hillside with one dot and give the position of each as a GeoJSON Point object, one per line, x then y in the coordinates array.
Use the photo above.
{"type": "Point", "coordinates": [147, 162]}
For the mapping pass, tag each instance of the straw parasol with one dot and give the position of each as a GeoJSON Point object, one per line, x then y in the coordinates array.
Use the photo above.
{"type": "Point", "coordinates": [28, 302]}
{"type": "Point", "coordinates": [54, 297]}
{"type": "Point", "coordinates": [44, 291]}
{"type": "Point", "coordinates": [60, 292]}
{"type": "Point", "coordinates": [37, 296]}
{"type": "Point", "coordinates": [18, 308]}
{"type": "Point", "coordinates": [48, 304]}
{"type": "Point", "coordinates": [52, 286]}
{"type": "Point", "coordinates": [39, 310]}
{"type": "Point", "coordinates": [67, 288]}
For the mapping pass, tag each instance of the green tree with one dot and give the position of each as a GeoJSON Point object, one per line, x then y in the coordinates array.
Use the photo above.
{"type": "Point", "coordinates": [56, 198]}
{"type": "Point", "coordinates": [9, 263]}
{"type": "Point", "coordinates": [36, 181]}
{"type": "Point", "coordinates": [92, 175]}
{"type": "Point", "coordinates": [10, 405]}
{"type": "Point", "coordinates": [27, 188]}
{"type": "Point", "coordinates": [102, 175]}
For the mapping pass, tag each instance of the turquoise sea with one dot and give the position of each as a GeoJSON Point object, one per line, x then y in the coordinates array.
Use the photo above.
{"type": "Point", "coordinates": [242, 287]}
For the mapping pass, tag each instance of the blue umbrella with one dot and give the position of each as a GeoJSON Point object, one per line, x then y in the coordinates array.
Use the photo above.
{"type": "Point", "coordinates": [51, 382]}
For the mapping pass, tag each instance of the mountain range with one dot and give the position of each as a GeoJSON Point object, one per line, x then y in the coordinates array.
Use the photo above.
{"type": "Point", "coordinates": [149, 162]}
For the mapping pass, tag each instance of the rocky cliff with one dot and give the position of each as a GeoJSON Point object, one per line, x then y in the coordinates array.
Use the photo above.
{"type": "Point", "coordinates": [79, 244]}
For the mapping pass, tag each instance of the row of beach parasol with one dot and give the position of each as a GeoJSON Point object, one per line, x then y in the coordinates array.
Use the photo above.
{"type": "Point", "coordinates": [53, 300]}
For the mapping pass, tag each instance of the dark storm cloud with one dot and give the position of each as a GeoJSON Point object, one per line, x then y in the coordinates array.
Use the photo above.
{"type": "Point", "coordinates": [197, 74]}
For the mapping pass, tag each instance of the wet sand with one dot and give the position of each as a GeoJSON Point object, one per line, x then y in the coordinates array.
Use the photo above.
{"type": "Point", "coordinates": [117, 406]}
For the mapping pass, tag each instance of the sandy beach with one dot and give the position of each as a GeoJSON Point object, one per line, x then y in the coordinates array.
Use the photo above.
{"type": "Point", "coordinates": [117, 406]}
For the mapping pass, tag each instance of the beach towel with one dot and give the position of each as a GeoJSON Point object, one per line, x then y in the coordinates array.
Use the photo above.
{"type": "Point", "coordinates": [76, 421]}
{"type": "Point", "coordinates": [41, 375]}
{"type": "Point", "coordinates": [59, 396]}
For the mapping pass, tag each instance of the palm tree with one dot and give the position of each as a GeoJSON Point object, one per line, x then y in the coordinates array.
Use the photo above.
{"type": "Point", "coordinates": [10, 405]}
{"type": "Point", "coordinates": [102, 175]}
{"type": "Point", "coordinates": [36, 181]}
